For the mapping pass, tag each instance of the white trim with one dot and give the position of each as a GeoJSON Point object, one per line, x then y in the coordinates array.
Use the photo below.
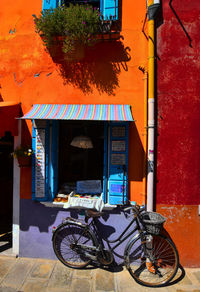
{"type": "Point", "coordinates": [16, 196]}
{"type": "Point", "coordinates": [150, 154]}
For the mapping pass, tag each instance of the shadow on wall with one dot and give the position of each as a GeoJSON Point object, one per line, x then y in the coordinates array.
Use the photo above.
{"type": "Point", "coordinates": [137, 156]}
{"type": "Point", "coordinates": [26, 172]}
{"type": "Point", "coordinates": [37, 221]}
{"type": "Point", "coordinates": [98, 67]}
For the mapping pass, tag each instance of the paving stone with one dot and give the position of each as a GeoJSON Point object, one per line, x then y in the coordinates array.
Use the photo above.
{"type": "Point", "coordinates": [104, 280]}
{"type": "Point", "coordinates": [185, 281]}
{"type": "Point", "coordinates": [17, 274]}
{"type": "Point", "coordinates": [197, 275]}
{"type": "Point", "coordinates": [186, 290]}
{"type": "Point", "coordinates": [7, 289]}
{"type": "Point", "coordinates": [5, 265]}
{"type": "Point", "coordinates": [49, 289]}
{"type": "Point", "coordinates": [125, 280]}
{"type": "Point", "coordinates": [34, 286]}
{"type": "Point", "coordinates": [81, 285]}
{"type": "Point", "coordinates": [61, 276]}
{"type": "Point", "coordinates": [42, 269]}
{"type": "Point", "coordinates": [86, 273]}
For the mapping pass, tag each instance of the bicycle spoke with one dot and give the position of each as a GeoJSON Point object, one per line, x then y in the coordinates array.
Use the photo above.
{"type": "Point", "coordinates": [70, 243]}
{"type": "Point", "coordinates": [155, 266]}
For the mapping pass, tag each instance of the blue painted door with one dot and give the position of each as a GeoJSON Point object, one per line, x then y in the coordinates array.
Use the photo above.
{"type": "Point", "coordinates": [118, 163]}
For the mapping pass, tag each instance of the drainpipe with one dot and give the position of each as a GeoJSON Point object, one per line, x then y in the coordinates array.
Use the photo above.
{"type": "Point", "coordinates": [152, 9]}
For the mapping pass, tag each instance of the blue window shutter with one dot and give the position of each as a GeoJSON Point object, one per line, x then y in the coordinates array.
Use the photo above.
{"type": "Point", "coordinates": [47, 162]}
{"type": "Point", "coordinates": [33, 160]}
{"type": "Point", "coordinates": [105, 167]}
{"type": "Point", "coordinates": [54, 159]}
{"type": "Point", "coordinates": [40, 168]}
{"type": "Point", "coordinates": [118, 163]}
{"type": "Point", "coordinates": [109, 9]}
{"type": "Point", "coordinates": [48, 4]}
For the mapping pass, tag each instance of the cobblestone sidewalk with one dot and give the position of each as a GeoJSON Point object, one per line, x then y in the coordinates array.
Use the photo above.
{"type": "Point", "coordinates": [34, 275]}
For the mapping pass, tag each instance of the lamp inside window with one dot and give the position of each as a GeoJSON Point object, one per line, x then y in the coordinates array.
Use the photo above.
{"type": "Point", "coordinates": [82, 141]}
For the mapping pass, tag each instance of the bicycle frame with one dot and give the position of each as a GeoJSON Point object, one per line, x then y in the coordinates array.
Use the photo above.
{"type": "Point", "coordinates": [121, 238]}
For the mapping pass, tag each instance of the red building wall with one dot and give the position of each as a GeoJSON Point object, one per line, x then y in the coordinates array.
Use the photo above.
{"type": "Point", "coordinates": [178, 141]}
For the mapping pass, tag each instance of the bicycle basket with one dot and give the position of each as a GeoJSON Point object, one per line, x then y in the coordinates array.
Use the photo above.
{"type": "Point", "coordinates": [153, 222]}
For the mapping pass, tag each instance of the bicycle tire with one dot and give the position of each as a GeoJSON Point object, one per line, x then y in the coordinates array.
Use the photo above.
{"type": "Point", "coordinates": [67, 239]}
{"type": "Point", "coordinates": [164, 256]}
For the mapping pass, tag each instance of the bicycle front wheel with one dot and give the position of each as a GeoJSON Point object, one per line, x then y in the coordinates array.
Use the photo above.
{"type": "Point", "coordinates": [72, 244]}
{"type": "Point", "coordinates": [153, 263]}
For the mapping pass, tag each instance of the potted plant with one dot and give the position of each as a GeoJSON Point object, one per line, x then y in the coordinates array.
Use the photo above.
{"type": "Point", "coordinates": [23, 155]}
{"type": "Point", "coordinates": [73, 27]}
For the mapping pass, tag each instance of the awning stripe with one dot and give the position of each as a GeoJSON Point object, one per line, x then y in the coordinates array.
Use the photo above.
{"type": "Point", "coordinates": [98, 112]}
{"type": "Point", "coordinates": [62, 113]}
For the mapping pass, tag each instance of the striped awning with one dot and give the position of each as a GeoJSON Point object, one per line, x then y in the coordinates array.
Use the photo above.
{"type": "Point", "coordinates": [97, 112]}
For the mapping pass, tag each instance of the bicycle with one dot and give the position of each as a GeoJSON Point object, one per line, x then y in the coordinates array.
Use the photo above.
{"type": "Point", "coordinates": [150, 257]}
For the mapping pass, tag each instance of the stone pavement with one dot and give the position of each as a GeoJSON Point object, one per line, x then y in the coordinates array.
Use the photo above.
{"type": "Point", "coordinates": [34, 275]}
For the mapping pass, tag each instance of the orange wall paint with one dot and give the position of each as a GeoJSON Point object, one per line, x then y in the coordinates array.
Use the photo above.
{"type": "Point", "coordinates": [183, 226]}
{"type": "Point", "coordinates": [23, 55]}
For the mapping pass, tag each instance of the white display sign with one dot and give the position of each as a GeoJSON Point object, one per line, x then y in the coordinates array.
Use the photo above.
{"type": "Point", "coordinates": [118, 146]}
{"type": "Point", "coordinates": [118, 159]}
{"type": "Point", "coordinates": [118, 131]}
{"type": "Point", "coordinates": [40, 164]}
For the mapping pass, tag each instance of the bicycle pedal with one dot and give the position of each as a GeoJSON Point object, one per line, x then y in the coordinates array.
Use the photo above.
{"type": "Point", "coordinates": [150, 268]}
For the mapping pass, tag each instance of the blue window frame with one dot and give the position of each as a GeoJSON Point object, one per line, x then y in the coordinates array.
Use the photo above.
{"type": "Point", "coordinates": [45, 143]}
{"type": "Point", "coordinates": [108, 8]}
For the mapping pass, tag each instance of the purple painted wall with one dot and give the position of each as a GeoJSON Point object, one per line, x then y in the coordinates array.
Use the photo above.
{"type": "Point", "coordinates": [37, 221]}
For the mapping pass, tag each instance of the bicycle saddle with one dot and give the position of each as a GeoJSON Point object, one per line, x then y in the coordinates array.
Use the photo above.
{"type": "Point", "coordinates": [92, 213]}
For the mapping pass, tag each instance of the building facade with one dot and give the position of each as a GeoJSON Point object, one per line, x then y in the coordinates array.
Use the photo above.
{"type": "Point", "coordinates": [103, 97]}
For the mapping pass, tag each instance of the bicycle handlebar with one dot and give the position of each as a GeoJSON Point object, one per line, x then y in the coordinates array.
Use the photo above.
{"type": "Point", "coordinates": [136, 208]}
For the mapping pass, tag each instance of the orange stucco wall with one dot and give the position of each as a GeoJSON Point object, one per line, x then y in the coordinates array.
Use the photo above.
{"type": "Point", "coordinates": [182, 225]}
{"type": "Point", "coordinates": [29, 75]}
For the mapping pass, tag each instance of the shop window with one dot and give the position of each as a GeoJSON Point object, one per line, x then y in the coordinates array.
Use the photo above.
{"type": "Point", "coordinates": [61, 160]}
{"type": "Point", "coordinates": [76, 163]}
{"type": "Point", "coordinates": [108, 8]}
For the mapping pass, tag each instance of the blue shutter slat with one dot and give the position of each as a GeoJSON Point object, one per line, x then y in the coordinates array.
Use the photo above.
{"type": "Point", "coordinates": [33, 160]}
{"type": "Point", "coordinates": [48, 4]}
{"type": "Point", "coordinates": [105, 167]}
{"type": "Point", "coordinates": [109, 9]}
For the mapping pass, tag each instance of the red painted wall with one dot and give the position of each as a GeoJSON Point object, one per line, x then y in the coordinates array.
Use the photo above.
{"type": "Point", "coordinates": [179, 104]}
{"type": "Point", "coordinates": [178, 141]}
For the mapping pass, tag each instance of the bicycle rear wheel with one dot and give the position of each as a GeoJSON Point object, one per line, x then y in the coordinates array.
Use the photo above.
{"type": "Point", "coordinates": [71, 242]}
{"type": "Point", "coordinates": [155, 266]}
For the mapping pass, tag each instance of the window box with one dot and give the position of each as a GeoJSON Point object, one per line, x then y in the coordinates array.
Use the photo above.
{"type": "Point", "coordinates": [74, 26]}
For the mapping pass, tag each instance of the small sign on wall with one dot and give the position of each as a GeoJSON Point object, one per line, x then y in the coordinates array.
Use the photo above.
{"type": "Point", "coordinates": [118, 131]}
{"type": "Point", "coordinates": [118, 159]}
{"type": "Point", "coordinates": [118, 146]}
{"type": "Point", "coordinates": [40, 164]}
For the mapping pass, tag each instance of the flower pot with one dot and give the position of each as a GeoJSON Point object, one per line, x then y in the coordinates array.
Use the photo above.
{"type": "Point", "coordinates": [76, 54]}
{"type": "Point", "coordinates": [24, 161]}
